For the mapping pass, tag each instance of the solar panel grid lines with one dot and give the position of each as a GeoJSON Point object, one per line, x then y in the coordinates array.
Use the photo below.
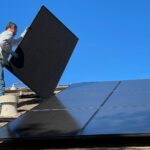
{"type": "Point", "coordinates": [126, 112]}
{"type": "Point", "coordinates": [62, 106]}
{"type": "Point", "coordinates": [99, 109]}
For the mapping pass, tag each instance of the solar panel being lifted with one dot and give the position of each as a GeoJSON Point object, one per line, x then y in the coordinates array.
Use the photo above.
{"type": "Point", "coordinates": [43, 53]}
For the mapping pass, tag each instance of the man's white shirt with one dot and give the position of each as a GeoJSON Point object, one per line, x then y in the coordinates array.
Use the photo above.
{"type": "Point", "coordinates": [7, 41]}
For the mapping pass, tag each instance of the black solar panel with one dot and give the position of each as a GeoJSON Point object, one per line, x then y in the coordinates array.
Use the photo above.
{"type": "Point", "coordinates": [43, 53]}
{"type": "Point", "coordinates": [126, 112]}
{"type": "Point", "coordinates": [66, 113]}
{"type": "Point", "coordinates": [88, 112]}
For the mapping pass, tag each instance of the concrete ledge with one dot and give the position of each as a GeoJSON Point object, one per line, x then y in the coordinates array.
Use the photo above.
{"type": "Point", "coordinates": [8, 99]}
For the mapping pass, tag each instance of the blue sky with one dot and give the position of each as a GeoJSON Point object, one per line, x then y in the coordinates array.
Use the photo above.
{"type": "Point", "coordinates": [114, 36]}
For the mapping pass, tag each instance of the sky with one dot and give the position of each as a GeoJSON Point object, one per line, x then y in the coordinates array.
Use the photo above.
{"type": "Point", "coordinates": [114, 36]}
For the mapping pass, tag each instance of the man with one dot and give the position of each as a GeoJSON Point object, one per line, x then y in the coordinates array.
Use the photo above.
{"type": "Point", "coordinates": [7, 41]}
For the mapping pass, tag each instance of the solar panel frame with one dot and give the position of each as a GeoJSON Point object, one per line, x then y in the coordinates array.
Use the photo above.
{"type": "Point", "coordinates": [43, 53]}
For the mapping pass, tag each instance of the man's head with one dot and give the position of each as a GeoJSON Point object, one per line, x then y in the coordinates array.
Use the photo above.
{"type": "Point", "coordinates": [12, 27]}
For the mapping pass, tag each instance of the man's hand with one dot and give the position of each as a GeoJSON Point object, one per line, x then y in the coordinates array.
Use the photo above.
{"type": "Point", "coordinates": [24, 32]}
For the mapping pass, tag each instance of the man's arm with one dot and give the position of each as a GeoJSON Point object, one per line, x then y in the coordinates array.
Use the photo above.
{"type": "Point", "coordinates": [6, 48]}
{"type": "Point", "coordinates": [16, 42]}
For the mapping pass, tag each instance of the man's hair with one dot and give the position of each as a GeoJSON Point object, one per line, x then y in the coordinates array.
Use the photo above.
{"type": "Point", "coordinates": [11, 24]}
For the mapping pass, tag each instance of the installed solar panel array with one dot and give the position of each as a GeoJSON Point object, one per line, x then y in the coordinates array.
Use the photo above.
{"type": "Point", "coordinates": [100, 108]}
